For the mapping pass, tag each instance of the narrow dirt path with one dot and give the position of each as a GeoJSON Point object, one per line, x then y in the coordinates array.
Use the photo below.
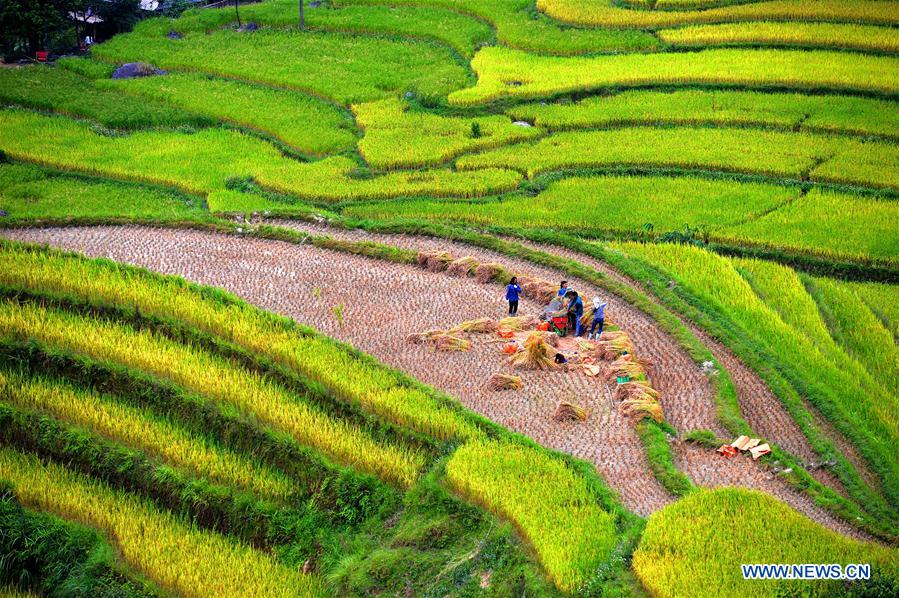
{"type": "Point", "coordinates": [383, 302]}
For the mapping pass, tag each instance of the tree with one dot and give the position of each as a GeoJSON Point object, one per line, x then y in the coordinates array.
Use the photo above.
{"type": "Point", "coordinates": [118, 15]}
{"type": "Point", "coordinates": [302, 17]}
{"type": "Point", "coordinates": [237, 11]}
{"type": "Point", "coordinates": [27, 26]}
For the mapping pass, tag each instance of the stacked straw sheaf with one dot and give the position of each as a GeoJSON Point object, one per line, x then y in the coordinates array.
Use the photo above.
{"type": "Point", "coordinates": [636, 398]}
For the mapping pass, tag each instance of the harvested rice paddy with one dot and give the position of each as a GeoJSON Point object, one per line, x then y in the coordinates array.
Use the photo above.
{"type": "Point", "coordinates": [277, 359]}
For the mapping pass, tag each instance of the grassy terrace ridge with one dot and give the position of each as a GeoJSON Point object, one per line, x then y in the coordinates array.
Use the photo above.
{"type": "Point", "coordinates": [57, 89]}
{"type": "Point", "coordinates": [517, 25]}
{"type": "Point", "coordinates": [218, 380]}
{"type": "Point", "coordinates": [103, 415]}
{"type": "Point", "coordinates": [797, 156]}
{"type": "Point", "coordinates": [38, 543]}
{"type": "Point", "coordinates": [306, 123]}
{"type": "Point", "coordinates": [882, 300]}
{"type": "Point", "coordinates": [399, 136]}
{"type": "Point", "coordinates": [371, 68]}
{"type": "Point", "coordinates": [506, 74]}
{"type": "Point", "coordinates": [813, 35]}
{"type": "Point", "coordinates": [597, 13]}
{"type": "Point", "coordinates": [690, 544]}
{"type": "Point", "coordinates": [204, 162]}
{"type": "Point", "coordinates": [462, 33]}
{"type": "Point", "coordinates": [753, 214]}
{"type": "Point", "coordinates": [858, 329]}
{"type": "Point", "coordinates": [845, 115]}
{"type": "Point", "coordinates": [146, 537]}
{"type": "Point", "coordinates": [544, 499]}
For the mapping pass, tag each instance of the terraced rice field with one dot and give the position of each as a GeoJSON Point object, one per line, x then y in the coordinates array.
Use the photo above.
{"type": "Point", "coordinates": [271, 363]}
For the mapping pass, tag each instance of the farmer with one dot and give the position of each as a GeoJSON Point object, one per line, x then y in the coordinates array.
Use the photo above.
{"type": "Point", "coordinates": [575, 311]}
{"type": "Point", "coordinates": [512, 292]}
{"type": "Point", "coordinates": [563, 288]}
{"type": "Point", "coordinates": [599, 318]}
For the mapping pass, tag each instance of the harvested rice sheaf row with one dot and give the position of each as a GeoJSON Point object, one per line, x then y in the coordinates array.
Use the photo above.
{"type": "Point", "coordinates": [348, 376]}
{"type": "Point", "coordinates": [175, 555]}
{"type": "Point", "coordinates": [215, 378]}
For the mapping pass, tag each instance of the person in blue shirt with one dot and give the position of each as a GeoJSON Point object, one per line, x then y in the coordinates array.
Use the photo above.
{"type": "Point", "coordinates": [575, 311]}
{"type": "Point", "coordinates": [512, 292]}
{"type": "Point", "coordinates": [563, 288]}
{"type": "Point", "coordinates": [599, 318]}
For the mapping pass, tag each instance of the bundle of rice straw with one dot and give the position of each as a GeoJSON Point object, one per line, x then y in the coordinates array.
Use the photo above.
{"type": "Point", "coordinates": [640, 408]}
{"type": "Point", "coordinates": [504, 382]}
{"type": "Point", "coordinates": [569, 412]}
{"type": "Point", "coordinates": [518, 322]}
{"type": "Point", "coordinates": [635, 389]}
{"type": "Point", "coordinates": [612, 345]}
{"type": "Point", "coordinates": [420, 337]}
{"type": "Point", "coordinates": [464, 266]}
{"type": "Point", "coordinates": [587, 318]}
{"type": "Point", "coordinates": [625, 367]}
{"type": "Point", "coordinates": [435, 261]}
{"type": "Point", "coordinates": [539, 290]}
{"type": "Point", "coordinates": [448, 342]}
{"type": "Point", "coordinates": [481, 325]}
{"type": "Point", "coordinates": [485, 273]}
{"type": "Point", "coordinates": [551, 339]}
{"type": "Point", "coordinates": [537, 355]}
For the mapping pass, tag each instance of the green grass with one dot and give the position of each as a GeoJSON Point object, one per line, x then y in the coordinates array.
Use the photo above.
{"type": "Point", "coordinates": [510, 74]}
{"type": "Point", "coordinates": [882, 300]}
{"type": "Point", "coordinates": [603, 203]}
{"type": "Point", "coordinates": [219, 379]}
{"type": "Point", "coordinates": [104, 416]}
{"type": "Point", "coordinates": [304, 122]}
{"type": "Point", "coordinates": [798, 112]}
{"type": "Point", "coordinates": [821, 223]}
{"type": "Point", "coordinates": [399, 136]}
{"type": "Point", "coordinates": [205, 162]}
{"type": "Point", "coordinates": [858, 330]}
{"type": "Point", "coordinates": [858, 407]}
{"type": "Point", "coordinates": [771, 153]}
{"type": "Point", "coordinates": [605, 13]}
{"type": "Point", "coordinates": [28, 192]}
{"type": "Point", "coordinates": [544, 499]}
{"type": "Point", "coordinates": [813, 35]}
{"type": "Point", "coordinates": [172, 553]}
{"type": "Point", "coordinates": [60, 90]}
{"type": "Point", "coordinates": [341, 67]}
{"type": "Point", "coordinates": [701, 540]}
{"type": "Point", "coordinates": [826, 223]}
{"type": "Point", "coordinates": [518, 25]}
{"type": "Point", "coordinates": [46, 554]}
{"type": "Point", "coordinates": [462, 33]}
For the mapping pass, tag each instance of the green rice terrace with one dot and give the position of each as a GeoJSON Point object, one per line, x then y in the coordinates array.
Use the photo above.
{"type": "Point", "coordinates": [281, 312]}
